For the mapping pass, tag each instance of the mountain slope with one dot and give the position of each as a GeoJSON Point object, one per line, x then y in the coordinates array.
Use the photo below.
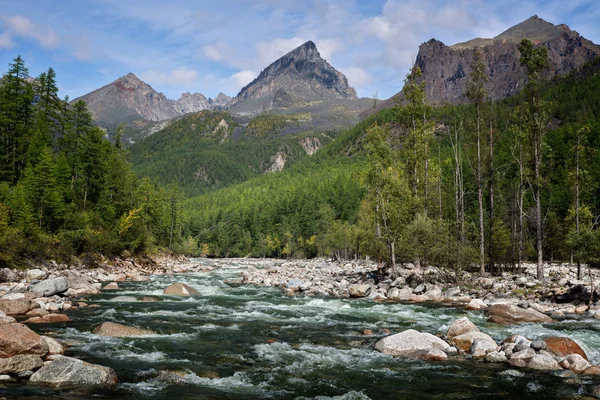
{"type": "Point", "coordinates": [128, 99]}
{"type": "Point", "coordinates": [298, 77]}
{"type": "Point", "coordinates": [446, 68]}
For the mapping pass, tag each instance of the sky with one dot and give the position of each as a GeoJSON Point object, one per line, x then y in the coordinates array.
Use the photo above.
{"type": "Point", "coordinates": [212, 46]}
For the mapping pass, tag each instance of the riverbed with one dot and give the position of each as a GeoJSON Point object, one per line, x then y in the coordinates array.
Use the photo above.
{"type": "Point", "coordinates": [251, 342]}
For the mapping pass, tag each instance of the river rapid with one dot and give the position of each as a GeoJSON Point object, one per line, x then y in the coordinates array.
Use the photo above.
{"type": "Point", "coordinates": [249, 342]}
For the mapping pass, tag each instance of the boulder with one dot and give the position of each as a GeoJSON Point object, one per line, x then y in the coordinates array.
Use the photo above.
{"type": "Point", "coordinates": [117, 330]}
{"type": "Point", "coordinates": [48, 319]}
{"type": "Point", "coordinates": [20, 363]}
{"type": "Point", "coordinates": [15, 307]}
{"type": "Point", "coordinates": [37, 312]}
{"type": "Point", "coordinates": [460, 326]}
{"type": "Point", "coordinates": [180, 289]}
{"type": "Point", "coordinates": [68, 372]}
{"type": "Point", "coordinates": [542, 362]}
{"type": "Point", "coordinates": [434, 294]}
{"type": "Point", "coordinates": [575, 363]}
{"type": "Point", "coordinates": [17, 338]}
{"type": "Point", "coordinates": [8, 275]}
{"type": "Point", "coordinates": [521, 358]}
{"type": "Point", "coordinates": [511, 314]}
{"type": "Point", "coordinates": [481, 347]}
{"type": "Point", "coordinates": [111, 286]}
{"type": "Point", "coordinates": [495, 357]}
{"type": "Point", "coordinates": [403, 343]}
{"type": "Point", "coordinates": [54, 347]}
{"type": "Point", "coordinates": [359, 290]}
{"type": "Point", "coordinates": [34, 274]}
{"type": "Point", "coordinates": [476, 304]}
{"type": "Point", "coordinates": [124, 299]}
{"type": "Point", "coordinates": [465, 341]}
{"type": "Point", "coordinates": [80, 283]}
{"type": "Point", "coordinates": [593, 370]}
{"type": "Point", "coordinates": [427, 355]}
{"type": "Point", "coordinates": [52, 286]}
{"type": "Point", "coordinates": [563, 346]}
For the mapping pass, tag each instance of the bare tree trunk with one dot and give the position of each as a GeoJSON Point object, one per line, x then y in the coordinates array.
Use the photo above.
{"type": "Point", "coordinates": [480, 199]}
{"type": "Point", "coordinates": [491, 205]}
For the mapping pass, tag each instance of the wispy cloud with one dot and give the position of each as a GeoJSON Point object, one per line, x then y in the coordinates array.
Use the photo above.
{"type": "Point", "coordinates": [21, 26]}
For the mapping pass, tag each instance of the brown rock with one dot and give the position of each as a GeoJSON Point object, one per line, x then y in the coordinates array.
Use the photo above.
{"type": "Point", "coordinates": [180, 289]}
{"type": "Point", "coordinates": [48, 319]}
{"type": "Point", "coordinates": [37, 312]}
{"type": "Point", "coordinates": [54, 347]}
{"type": "Point", "coordinates": [148, 299]}
{"type": "Point", "coordinates": [465, 341]}
{"type": "Point", "coordinates": [111, 286]}
{"type": "Point", "coordinates": [117, 330]}
{"type": "Point", "coordinates": [367, 332]}
{"type": "Point", "coordinates": [460, 326]}
{"type": "Point", "coordinates": [511, 314]}
{"type": "Point", "coordinates": [593, 370]}
{"type": "Point", "coordinates": [563, 346]}
{"type": "Point", "coordinates": [20, 363]}
{"type": "Point", "coordinates": [16, 306]}
{"type": "Point", "coordinates": [17, 338]}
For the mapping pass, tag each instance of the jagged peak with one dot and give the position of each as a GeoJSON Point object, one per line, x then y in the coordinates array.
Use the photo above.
{"type": "Point", "coordinates": [307, 50]}
{"type": "Point", "coordinates": [533, 28]}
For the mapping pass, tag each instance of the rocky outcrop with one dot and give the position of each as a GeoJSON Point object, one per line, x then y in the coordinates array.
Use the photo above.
{"type": "Point", "coordinates": [180, 289]}
{"type": "Point", "coordinates": [128, 99]}
{"type": "Point", "coordinates": [446, 69]}
{"type": "Point", "coordinates": [277, 162]}
{"type": "Point", "coordinates": [299, 76]}
{"type": "Point", "coordinates": [68, 372]}
{"type": "Point", "coordinates": [189, 103]}
{"type": "Point", "coordinates": [310, 145]}
{"type": "Point", "coordinates": [220, 102]}
{"type": "Point", "coordinates": [117, 330]}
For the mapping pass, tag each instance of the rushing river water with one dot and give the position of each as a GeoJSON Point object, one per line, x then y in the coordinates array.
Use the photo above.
{"type": "Point", "coordinates": [249, 342]}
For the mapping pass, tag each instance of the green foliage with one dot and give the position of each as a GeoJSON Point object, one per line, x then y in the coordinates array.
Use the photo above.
{"type": "Point", "coordinates": [66, 190]}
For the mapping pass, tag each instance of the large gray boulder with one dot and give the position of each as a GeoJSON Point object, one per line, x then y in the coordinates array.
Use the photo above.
{"type": "Point", "coordinates": [406, 342]}
{"type": "Point", "coordinates": [8, 275]}
{"type": "Point", "coordinates": [79, 283]}
{"type": "Point", "coordinates": [52, 286]}
{"type": "Point", "coordinates": [511, 314]}
{"type": "Point", "coordinates": [68, 372]}
{"type": "Point", "coordinates": [34, 274]}
{"type": "Point", "coordinates": [543, 362]}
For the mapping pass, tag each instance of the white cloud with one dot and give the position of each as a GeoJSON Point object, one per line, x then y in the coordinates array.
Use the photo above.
{"type": "Point", "coordinates": [23, 27]}
{"type": "Point", "coordinates": [6, 41]}
{"type": "Point", "coordinates": [176, 77]}
{"type": "Point", "coordinates": [357, 77]}
{"type": "Point", "coordinates": [242, 78]}
{"type": "Point", "coordinates": [267, 52]}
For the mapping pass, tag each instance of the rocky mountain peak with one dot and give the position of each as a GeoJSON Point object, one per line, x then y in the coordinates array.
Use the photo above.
{"type": "Point", "coordinates": [188, 103]}
{"type": "Point", "coordinates": [301, 75]}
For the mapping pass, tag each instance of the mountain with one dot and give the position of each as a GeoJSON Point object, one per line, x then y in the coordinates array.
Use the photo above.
{"type": "Point", "coordinates": [188, 103]}
{"type": "Point", "coordinates": [446, 69]}
{"type": "Point", "coordinates": [128, 99]}
{"type": "Point", "coordinates": [301, 76]}
{"type": "Point", "coordinates": [220, 102]}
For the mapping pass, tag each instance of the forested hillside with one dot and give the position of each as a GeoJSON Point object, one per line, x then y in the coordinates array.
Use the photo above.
{"type": "Point", "coordinates": [208, 150]}
{"type": "Point", "coordinates": [488, 184]}
{"type": "Point", "coordinates": [66, 190]}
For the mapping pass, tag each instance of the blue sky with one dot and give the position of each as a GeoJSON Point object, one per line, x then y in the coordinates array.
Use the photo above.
{"type": "Point", "coordinates": [211, 46]}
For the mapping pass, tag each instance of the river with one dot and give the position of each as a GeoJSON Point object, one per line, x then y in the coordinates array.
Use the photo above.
{"type": "Point", "coordinates": [247, 342]}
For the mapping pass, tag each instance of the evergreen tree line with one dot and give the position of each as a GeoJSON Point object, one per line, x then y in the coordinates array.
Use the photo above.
{"type": "Point", "coordinates": [66, 190]}
{"type": "Point", "coordinates": [486, 184]}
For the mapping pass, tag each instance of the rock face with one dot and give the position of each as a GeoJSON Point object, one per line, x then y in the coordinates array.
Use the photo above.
{"type": "Point", "coordinates": [128, 99]}
{"type": "Point", "coordinates": [511, 314]}
{"type": "Point", "coordinates": [16, 339]}
{"type": "Point", "coordinates": [189, 103]}
{"type": "Point", "coordinates": [117, 330]}
{"type": "Point", "coordinates": [406, 342]}
{"type": "Point", "coordinates": [67, 372]}
{"type": "Point", "coordinates": [299, 76]}
{"type": "Point", "coordinates": [180, 289]}
{"type": "Point", "coordinates": [446, 69]}
{"type": "Point", "coordinates": [220, 102]}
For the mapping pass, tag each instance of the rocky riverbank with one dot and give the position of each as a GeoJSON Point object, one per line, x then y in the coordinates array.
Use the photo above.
{"type": "Point", "coordinates": [561, 293]}
{"type": "Point", "coordinates": [48, 295]}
